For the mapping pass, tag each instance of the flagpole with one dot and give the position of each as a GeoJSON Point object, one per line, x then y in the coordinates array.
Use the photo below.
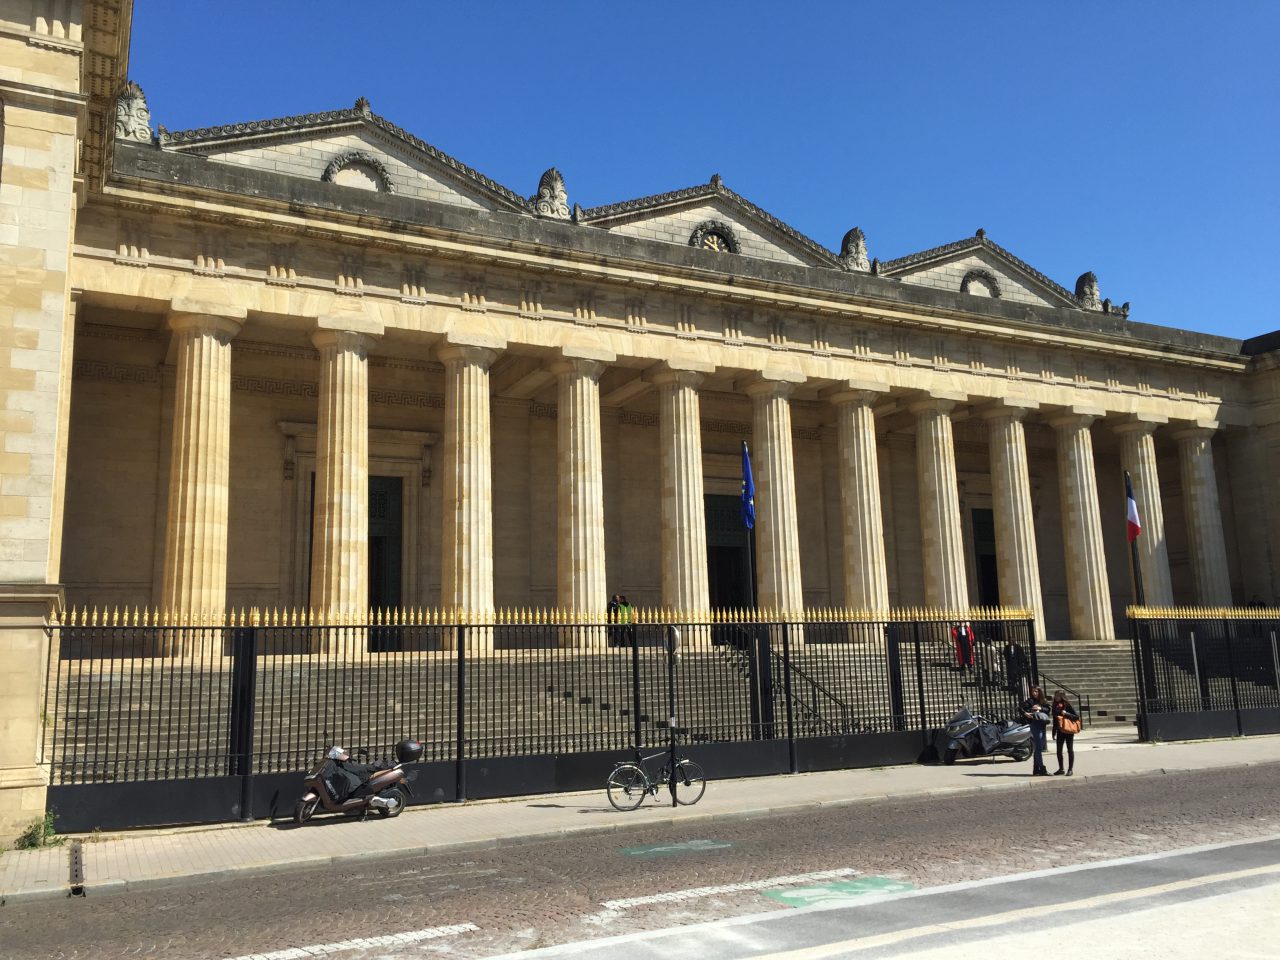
{"type": "Point", "coordinates": [1138, 594]}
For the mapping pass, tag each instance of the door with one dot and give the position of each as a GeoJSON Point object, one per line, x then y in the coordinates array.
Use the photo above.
{"type": "Point", "coordinates": [984, 556]}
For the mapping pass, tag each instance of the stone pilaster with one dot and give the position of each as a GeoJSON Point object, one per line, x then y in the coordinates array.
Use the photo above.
{"type": "Point", "coordinates": [195, 564]}
{"type": "Point", "coordinates": [945, 583]}
{"type": "Point", "coordinates": [1138, 456]}
{"type": "Point", "coordinates": [467, 536]}
{"type": "Point", "coordinates": [1088, 593]}
{"type": "Point", "coordinates": [866, 575]}
{"type": "Point", "coordinates": [1205, 539]}
{"type": "Point", "coordinates": [1017, 559]}
{"type": "Point", "coordinates": [685, 586]}
{"type": "Point", "coordinates": [581, 582]}
{"type": "Point", "coordinates": [777, 526]}
{"type": "Point", "coordinates": [340, 530]}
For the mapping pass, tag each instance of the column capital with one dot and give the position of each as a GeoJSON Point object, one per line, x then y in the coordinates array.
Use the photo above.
{"type": "Point", "coordinates": [342, 340]}
{"type": "Point", "coordinates": [568, 366]}
{"type": "Point", "coordinates": [1070, 417]}
{"type": "Point", "coordinates": [759, 388]}
{"type": "Point", "coordinates": [1007, 409]}
{"type": "Point", "coordinates": [1140, 423]}
{"type": "Point", "coordinates": [936, 401]}
{"type": "Point", "coordinates": [224, 326]}
{"type": "Point", "coordinates": [466, 355]}
{"type": "Point", "coordinates": [1196, 430]}
{"type": "Point", "coordinates": [665, 375]}
{"type": "Point", "coordinates": [857, 391]}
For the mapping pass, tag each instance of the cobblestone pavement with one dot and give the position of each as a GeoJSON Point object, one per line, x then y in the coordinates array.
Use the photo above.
{"type": "Point", "coordinates": [524, 895]}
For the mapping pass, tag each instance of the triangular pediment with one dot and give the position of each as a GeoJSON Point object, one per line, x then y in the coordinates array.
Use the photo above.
{"type": "Point", "coordinates": [353, 147]}
{"type": "Point", "coordinates": [980, 268]}
{"type": "Point", "coordinates": [685, 216]}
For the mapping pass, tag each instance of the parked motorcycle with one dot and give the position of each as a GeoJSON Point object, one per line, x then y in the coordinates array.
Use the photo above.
{"type": "Point", "coordinates": [386, 790]}
{"type": "Point", "coordinates": [969, 735]}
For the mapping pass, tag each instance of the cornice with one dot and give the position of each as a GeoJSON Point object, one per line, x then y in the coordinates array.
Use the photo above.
{"type": "Point", "coordinates": [890, 267]}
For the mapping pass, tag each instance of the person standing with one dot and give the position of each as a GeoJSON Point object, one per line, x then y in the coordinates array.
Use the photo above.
{"type": "Point", "coordinates": [962, 635]}
{"type": "Point", "coordinates": [1066, 724]}
{"type": "Point", "coordinates": [1036, 713]}
{"type": "Point", "coordinates": [611, 617]}
{"type": "Point", "coordinates": [627, 617]}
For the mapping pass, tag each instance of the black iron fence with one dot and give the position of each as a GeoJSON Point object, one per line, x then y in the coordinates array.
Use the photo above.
{"type": "Point", "coordinates": [1202, 672]}
{"type": "Point", "coordinates": [515, 705]}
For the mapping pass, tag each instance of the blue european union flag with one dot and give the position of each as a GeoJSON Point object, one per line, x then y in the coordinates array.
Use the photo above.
{"type": "Point", "coordinates": [748, 490]}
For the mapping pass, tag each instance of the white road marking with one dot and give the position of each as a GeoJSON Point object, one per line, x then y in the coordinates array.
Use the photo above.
{"type": "Point", "coordinates": [694, 893]}
{"type": "Point", "coordinates": [362, 943]}
{"type": "Point", "coordinates": [1009, 916]}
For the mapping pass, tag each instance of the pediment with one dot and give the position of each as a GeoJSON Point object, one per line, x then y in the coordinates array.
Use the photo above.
{"type": "Point", "coordinates": [686, 216]}
{"type": "Point", "coordinates": [978, 267]}
{"type": "Point", "coordinates": [354, 148]}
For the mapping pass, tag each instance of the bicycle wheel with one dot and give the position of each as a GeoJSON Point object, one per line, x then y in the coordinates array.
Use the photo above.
{"type": "Point", "coordinates": [626, 787]}
{"type": "Point", "coordinates": [691, 783]}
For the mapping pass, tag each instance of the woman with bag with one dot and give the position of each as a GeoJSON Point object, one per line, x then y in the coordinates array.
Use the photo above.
{"type": "Point", "coordinates": [1066, 724]}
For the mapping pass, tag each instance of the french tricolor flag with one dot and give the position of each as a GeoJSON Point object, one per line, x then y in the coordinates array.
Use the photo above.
{"type": "Point", "coordinates": [1135, 525]}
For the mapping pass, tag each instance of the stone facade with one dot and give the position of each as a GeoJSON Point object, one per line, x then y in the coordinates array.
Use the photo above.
{"type": "Point", "coordinates": [260, 320]}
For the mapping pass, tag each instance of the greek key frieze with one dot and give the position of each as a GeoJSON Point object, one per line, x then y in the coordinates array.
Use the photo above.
{"type": "Point", "coordinates": [726, 426]}
{"type": "Point", "coordinates": [274, 388]}
{"type": "Point", "coordinates": [115, 372]}
{"type": "Point", "coordinates": [406, 398]}
{"type": "Point", "coordinates": [634, 419]}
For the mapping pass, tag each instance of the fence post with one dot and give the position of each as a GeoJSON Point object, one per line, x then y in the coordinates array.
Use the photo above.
{"type": "Point", "coordinates": [1201, 690]}
{"type": "Point", "coordinates": [786, 690]}
{"type": "Point", "coordinates": [924, 712]}
{"type": "Point", "coordinates": [460, 644]}
{"type": "Point", "coordinates": [673, 640]}
{"type": "Point", "coordinates": [244, 671]}
{"type": "Point", "coordinates": [1231, 667]}
{"type": "Point", "coordinates": [1275, 660]}
{"type": "Point", "coordinates": [893, 654]}
{"type": "Point", "coordinates": [635, 687]}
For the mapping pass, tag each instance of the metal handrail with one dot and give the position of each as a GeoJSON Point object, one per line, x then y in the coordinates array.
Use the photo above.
{"type": "Point", "coordinates": [1085, 707]}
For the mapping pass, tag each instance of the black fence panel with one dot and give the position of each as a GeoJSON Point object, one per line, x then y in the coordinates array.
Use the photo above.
{"type": "Point", "coordinates": [1206, 673]}
{"type": "Point", "coordinates": [244, 708]}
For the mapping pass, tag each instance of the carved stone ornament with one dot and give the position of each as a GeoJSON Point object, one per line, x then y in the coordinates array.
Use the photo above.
{"type": "Point", "coordinates": [552, 199]}
{"type": "Point", "coordinates": [985, 277]}
{"type": "Point", "coordinates": [1116, 310]}
{"type": "Point", "coordinates": [133, 118]}
{"type": "Point", "coordinates": [358, 158]}
{"type": "Point", "coordinates": [853, 251]}
{"type": "Point", "coordinates": [1087, 292]}
{"type": "Point", "coordinates": [714, 235]}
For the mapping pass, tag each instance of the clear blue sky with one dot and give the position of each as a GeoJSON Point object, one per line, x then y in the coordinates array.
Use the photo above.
{"type": "Point", "coordinates": [1135, 139]}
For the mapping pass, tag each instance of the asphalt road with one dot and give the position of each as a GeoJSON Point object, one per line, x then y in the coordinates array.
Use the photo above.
{"type": "Point", "coordinates": [537, 894]}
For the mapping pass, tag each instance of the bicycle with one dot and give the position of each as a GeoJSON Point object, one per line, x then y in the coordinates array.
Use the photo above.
{"type": "Point", "coordinates": [630, 782]}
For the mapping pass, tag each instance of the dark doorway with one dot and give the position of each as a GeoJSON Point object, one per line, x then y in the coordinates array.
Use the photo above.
{"type": "Point", "coordinates": [385, 537]}
{"type": "Point", "coordinates": [730, 553]}
{"type": "Point", "coordinates": [984, 555]}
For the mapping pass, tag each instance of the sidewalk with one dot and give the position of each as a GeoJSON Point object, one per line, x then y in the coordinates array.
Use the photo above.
{"type": "Point", "coordinates": [134, 860]}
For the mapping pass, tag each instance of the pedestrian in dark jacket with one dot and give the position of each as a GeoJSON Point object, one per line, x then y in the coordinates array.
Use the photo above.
{"type": "Point", "coordinates": [1062, 708]}
{"type": "Point", "coordinates": [1036, 712]}
{"type": "Point", "coordinates": [962, 636]}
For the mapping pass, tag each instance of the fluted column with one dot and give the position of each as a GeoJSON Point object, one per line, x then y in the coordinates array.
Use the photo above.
{"type": "Point", "coordinates": [340, 530]}
{"type": "Point", "coordinates": [467, 528]}
{"type": "Point", "coordinates": [945, 583]}
{"type": "Point", "coordinates": [1088, 592]}
{"type": "Point", "coordinates": [1207, 544]}
{"type": "Point", "coordinates": [1017, 559]}
{"type": "Point", "coordinates": [195, 565]}
{"type": "Point", "coordinates": [581, 584]}
{"type": "Point", "coordinates": [777, 526]}
{"type": "Point", "coordinates": [866, 575]}
{"type": "Point", "coordinates": [1138, 456]}
{"type": "Point", "coordinates": [684, 526]}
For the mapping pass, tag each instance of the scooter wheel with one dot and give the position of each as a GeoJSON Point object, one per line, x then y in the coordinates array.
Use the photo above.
{"type": "Point", "coordinates": [304, 809]}
{"type": "Point", "coordinates": [395, 805]}
{"type": "Point", "coordinates": [949, 757]}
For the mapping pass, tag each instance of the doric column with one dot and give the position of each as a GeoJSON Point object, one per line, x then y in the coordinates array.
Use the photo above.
{"type": "Point", "coordinates": [945, 583]}
{"type": "Point", "coordinates": [1088, 593]}
{"type": "Point", "coordinates": [1138, 456]}
{"type": "Point", "coordinates": [684, 526]}
{"type": "Point", "coordinates": [1207, 544]}
{"type": "Point", "coordinates": [866, 575]}
{"type": "Point", "coordinates": [195, 563]}
{"type": "Point", "coordinates": [467, 522]}
{"type": "Point", "coordinates": [777, 527]}
{"type": "Point", "coordinates": [1017, 559]}
{"type": "Point", "coordinates": [581, 584]}
{"type": "Point", "coordinates": [340, 530]}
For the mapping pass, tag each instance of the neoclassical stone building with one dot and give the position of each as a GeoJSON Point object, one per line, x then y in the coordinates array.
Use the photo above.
{"type": "Point", "coordinates": [315, 361]}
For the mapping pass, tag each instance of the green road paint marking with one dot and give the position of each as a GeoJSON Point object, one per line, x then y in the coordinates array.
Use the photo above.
{"type": "Point", "coordinates": [666, 849]}
{"type": "Point", "coordinates": [844, 891]}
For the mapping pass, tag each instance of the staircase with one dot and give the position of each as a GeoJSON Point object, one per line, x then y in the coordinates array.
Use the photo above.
{"type": "Point", "coordinates": [1103, 672]}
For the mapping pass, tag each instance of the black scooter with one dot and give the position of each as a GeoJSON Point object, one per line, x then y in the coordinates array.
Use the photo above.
{"type": "Point", "coordinates": [969, 735]}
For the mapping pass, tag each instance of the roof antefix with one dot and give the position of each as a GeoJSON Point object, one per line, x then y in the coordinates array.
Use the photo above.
{"type": "Point", "coordinates": [359, 114]}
